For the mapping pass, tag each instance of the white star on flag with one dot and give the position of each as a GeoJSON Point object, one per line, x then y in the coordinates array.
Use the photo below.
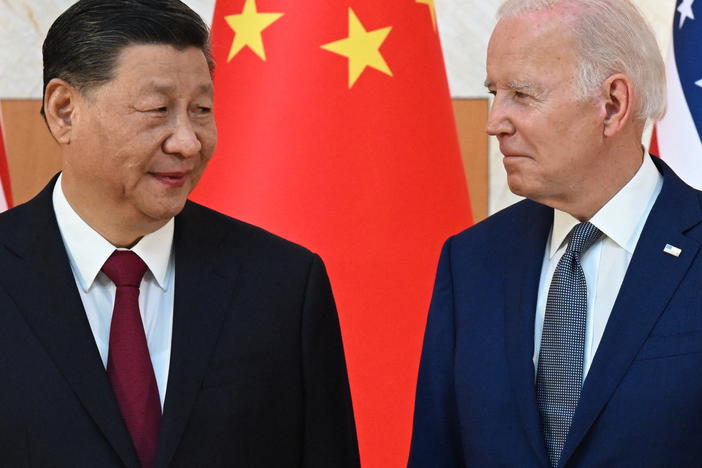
{"type": "Point", "coordinates": [699, 83]}
{"type": "Point", "coordinates": [685, 10]}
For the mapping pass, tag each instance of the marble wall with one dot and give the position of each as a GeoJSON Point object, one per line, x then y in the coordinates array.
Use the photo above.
{"type": "Point", "coordinates": [23, 26]}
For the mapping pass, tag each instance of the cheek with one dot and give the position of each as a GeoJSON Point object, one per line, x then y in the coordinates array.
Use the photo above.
{"type": "Point", "coordinates": [139, 150]}
{"type": "Point", "coordinates": [208, 140]}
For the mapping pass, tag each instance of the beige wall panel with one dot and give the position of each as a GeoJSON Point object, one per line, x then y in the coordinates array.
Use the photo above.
{"type": "Point", "coordinates": [471, 115]}
{"type": "Point", "coordinates": [32, 154]}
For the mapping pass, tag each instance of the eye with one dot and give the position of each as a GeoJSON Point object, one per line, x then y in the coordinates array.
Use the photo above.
{"type": "Point", "coordinates": [200, 109]}
{"type": "Point", "coordinates": [492, 91]}
{"type": "Point", "coordinates": [520, 95]}
{"type": "Point", "coordinates": [160, 110]}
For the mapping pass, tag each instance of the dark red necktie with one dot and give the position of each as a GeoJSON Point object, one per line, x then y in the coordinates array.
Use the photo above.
{"type": "Point", "coordinates": [129, 364]}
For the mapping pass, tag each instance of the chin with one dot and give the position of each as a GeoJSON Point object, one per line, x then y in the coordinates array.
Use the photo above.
{"type": "Point", "coordinates": [164, 212]}
{"type": "Point", "coordinates": [527, 186]}
{"type": "Point", "coordinates": [516, 186]}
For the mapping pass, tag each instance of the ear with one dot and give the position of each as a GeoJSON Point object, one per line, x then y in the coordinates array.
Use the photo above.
{"type": "Point", "coordinates": [59, 108]}
{"type": "Point", "coordinates": [618, 93]}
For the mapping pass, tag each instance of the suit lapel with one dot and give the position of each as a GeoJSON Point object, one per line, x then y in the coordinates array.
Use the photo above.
{"type": "Point", "coordinates": [203, 289]}
{"type": "Point", "coordinates": [526, 259]}
{"type": "Point", "coordinates": [651, 280]}
{"type": "Point", "coordinates": [38, 277]}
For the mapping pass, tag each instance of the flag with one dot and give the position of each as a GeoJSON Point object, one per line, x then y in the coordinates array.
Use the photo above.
{"type": "Point", "coordinates": [678, 133]}
{"type": "Point", "coordinates": [336, 132]}
{"type": "Point", "coordinates": [5, 195]}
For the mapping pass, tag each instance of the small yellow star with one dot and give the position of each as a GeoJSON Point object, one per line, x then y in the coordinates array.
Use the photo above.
{"type": "Point", "coordinates": [247, 27]}
{"type": "Point", "coordinates": [432, 10]}
{"type": "Point", "coordinates": [361, 47]}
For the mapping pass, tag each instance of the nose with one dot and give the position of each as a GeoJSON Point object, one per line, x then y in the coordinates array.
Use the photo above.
{"type": "Point", "coordinates": [183, 140]}
{"type": "Point", "coordinates": [498, 122]}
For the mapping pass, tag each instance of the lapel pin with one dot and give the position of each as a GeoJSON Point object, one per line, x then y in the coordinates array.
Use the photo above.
{"type": "Point", "coordinates": [672, 250]}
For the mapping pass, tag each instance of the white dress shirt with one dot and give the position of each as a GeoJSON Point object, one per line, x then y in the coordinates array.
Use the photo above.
{"type": "Point", "coordinates": [87, 251]}
{"type": "Point", "coordinates": [621, 221]}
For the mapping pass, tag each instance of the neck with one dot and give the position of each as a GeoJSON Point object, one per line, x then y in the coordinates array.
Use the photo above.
{"type": "Point", "coordinates": [119, 227]}
{"type": "Point", "coordinates": [620, 165]}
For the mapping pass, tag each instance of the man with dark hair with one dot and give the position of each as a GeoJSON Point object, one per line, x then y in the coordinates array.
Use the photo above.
{"type": "Point", "coordinates": [138, 328]}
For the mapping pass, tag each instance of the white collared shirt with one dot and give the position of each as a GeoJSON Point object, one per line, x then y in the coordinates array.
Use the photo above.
{"type": "Point", "coordinates": [621, 221]}
{"type": "Point", "coordinates": [87, 252]}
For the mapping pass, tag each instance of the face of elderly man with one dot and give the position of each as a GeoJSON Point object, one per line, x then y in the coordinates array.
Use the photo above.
{"type": "Point", "coordinates": [138, 144]}
{"type": "Point", "coordinates": [550, 137]}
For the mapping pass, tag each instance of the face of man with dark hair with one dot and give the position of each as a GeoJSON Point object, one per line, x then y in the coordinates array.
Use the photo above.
{"type": "Point", "coordinates": [139, 143]}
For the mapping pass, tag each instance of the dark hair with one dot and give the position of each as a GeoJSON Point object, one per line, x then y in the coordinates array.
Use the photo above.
{"type": "Point", "coordinates": [83, 44]}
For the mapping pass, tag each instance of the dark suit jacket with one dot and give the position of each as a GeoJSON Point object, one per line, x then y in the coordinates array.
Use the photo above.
{"type": "Point", "coordinates": [257, 375]}
{"type": "Point", "coordinates": [641, 403]}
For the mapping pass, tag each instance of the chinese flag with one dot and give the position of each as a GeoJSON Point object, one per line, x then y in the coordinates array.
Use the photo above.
{"type": "Point", "coordinates": [336, 132]}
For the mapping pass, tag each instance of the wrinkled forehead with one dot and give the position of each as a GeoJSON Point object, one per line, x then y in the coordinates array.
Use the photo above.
{"type": "Point", "coordinates": [536, 29]}
{"type": "Point", "coordinates": [537, 43]}
{"type": "Point", "coordinates": [145, 61]}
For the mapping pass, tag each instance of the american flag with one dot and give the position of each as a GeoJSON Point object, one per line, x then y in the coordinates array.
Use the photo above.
{"type": "Point", "coordinates": [679, 133]}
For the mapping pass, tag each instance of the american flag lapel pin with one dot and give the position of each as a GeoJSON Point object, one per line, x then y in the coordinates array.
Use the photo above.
{"type": "Point", "coordinates": [672, 250]}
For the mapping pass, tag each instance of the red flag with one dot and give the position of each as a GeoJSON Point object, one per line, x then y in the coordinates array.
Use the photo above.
{"type": "Point", "coordinates": [653, 148]}
{"type": "Point", "coordinates": [336, 132]}
{"type": "Point", "coordinates": [5, 193]}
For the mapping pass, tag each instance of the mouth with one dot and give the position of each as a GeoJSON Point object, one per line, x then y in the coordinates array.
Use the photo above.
{"type": "Point", "coordinates": [513, 155]}
{"type": "Point", "coordinates": [171, 179]}
{"type": "Point", "coordinates": [513, 158]}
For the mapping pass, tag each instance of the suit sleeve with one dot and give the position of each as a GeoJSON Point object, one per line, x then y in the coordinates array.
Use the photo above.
{"type": "Point", "coordinates": [329, 428]}
{"type": "Point", "coordinates": [436, 435]}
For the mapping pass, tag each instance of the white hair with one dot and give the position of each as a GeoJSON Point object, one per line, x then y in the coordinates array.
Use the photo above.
{"type": "Point", "coordinates": [612, 37]}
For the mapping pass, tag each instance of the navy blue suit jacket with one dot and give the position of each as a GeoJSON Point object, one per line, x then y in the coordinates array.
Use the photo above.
{"type": "Point", "coordinates": [257, 376]}
{"type": "Point", "coordinates": [641, 403]}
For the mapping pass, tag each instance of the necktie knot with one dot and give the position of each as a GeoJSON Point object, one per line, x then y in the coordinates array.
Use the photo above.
{"type": "Point", "coordinates": [582, 237]}
{"type": "Point", "coordinates": [124, 268]}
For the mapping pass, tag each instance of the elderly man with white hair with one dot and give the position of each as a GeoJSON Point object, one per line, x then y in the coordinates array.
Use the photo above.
{"type": "Point", "coordinates": [566, 330]}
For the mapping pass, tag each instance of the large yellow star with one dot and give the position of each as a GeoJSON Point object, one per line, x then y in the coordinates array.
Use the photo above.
{"type": "Point", "coordinates": [247, 27]}
{"type": "Point", "coordinates": [432, 10]}
{"type": "Point", "coordinates": [361, 47]}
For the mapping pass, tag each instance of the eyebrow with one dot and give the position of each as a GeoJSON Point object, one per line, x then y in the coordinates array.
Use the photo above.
{"type": "Point", "coordinates": [513, 85]}
{"type": "Point", "coordinates": [516, 86]}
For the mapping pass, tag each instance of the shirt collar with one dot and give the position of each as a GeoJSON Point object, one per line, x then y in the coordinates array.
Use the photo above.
{"type": "Point", "coordinates": [620, 218]}
{"type": "Point", "coordinates": [88, 250]}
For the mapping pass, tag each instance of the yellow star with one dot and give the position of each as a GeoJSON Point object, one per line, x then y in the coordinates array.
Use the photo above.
{"type": "Point", "coordinates": [432, 10]}
{"type": "Point", "coordinates": [248, 27]}
{"type": "Point", "coordinates": [361, 47]}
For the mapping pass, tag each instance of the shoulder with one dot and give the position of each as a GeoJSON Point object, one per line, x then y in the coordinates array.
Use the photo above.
{"type": "Point", "coordinates": [488, 247]}
{"type": "Point", "coordinates": [10, 219]}
{"type": "Point", "coordinates": [35, 214]}
{"type": "Point", "coordinates": [504, 226]}
{"type": "Point", "coordinates": [212, 227]}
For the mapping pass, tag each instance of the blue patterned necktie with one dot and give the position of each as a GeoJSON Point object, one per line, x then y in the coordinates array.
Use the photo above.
{"type": "Point", "coordinates": [559, 375]}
